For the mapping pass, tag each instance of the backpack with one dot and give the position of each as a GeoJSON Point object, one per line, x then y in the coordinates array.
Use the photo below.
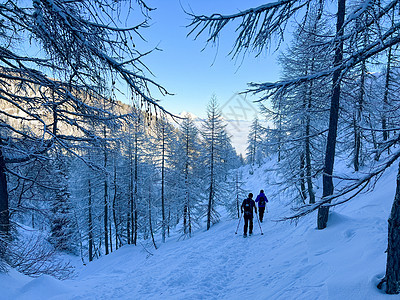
{"type": "Point", "coordinates": [261, 201]}
{"type": "Point", "coordinates": [247, 206]}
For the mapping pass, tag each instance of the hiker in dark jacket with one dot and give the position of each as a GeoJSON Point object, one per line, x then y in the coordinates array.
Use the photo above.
{"type": "Point", "coordinates": [247, 208]}
{"type": "Point", "coordinates": [262, 202]}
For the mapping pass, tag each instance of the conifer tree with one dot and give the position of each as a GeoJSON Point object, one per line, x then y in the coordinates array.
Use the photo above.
{"type": "Point", "coordinates": [213, 134]}
{"type": "Point", "coordinates": [254, 141]}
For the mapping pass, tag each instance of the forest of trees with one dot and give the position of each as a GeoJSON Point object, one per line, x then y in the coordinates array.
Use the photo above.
{"type": "Point", "coordinates": [91, 173]}
{"type": "Point", "coordinates": [94, 174]}
{"type": "Point", "coordinates": [337, 99]}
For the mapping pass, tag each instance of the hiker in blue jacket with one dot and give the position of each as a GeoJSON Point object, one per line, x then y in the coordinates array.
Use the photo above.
{"type": "Point", "coordinates": [247, 207]}
{"type": "Point", "coordinates": [262, 202]}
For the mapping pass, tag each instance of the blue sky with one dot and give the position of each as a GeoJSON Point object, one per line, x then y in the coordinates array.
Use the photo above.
{"type": "Point", "coordinates": [191, 74]}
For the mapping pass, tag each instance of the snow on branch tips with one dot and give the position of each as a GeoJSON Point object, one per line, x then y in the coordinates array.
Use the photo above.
{"type": "Point", "coordinates": [256, 28]}
{"type": "Point", "coordinates": [87, 40]}
{"type": "Point", "coordinates": [348, 192]}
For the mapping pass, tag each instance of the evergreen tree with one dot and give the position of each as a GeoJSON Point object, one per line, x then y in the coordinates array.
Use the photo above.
{"type": "Point", "coordinates": [255, 141]}
{"type": "Point", "coordinates": [187, 164]}
{"type": "Point", "coordinates": [161, 144]}
{"type": "Point", "coordinates": [214, 135]}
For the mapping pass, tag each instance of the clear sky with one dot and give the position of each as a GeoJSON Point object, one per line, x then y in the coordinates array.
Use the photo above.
{"type": "Point", "coordinates": [191, 74]}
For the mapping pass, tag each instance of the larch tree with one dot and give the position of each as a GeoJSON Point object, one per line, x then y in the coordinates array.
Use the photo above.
{"type": "Point", "coordinates": [186, 181]}
{"type": "Point", "coordinates": [302, 110]}
{"type": "Point", "coordinates": [161, 144]}
{"type": "Point", "coordinates": [211, 131]}
{"type": "Point", "coordinates": [254, 141]}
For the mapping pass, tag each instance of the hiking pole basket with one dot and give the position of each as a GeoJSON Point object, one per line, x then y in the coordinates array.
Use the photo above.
{"type": "Point", "coordinates": [238, 223]}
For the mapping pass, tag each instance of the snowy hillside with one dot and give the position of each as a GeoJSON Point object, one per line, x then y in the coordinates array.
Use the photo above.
{"type": "Point", "coordinates": [344, 261]}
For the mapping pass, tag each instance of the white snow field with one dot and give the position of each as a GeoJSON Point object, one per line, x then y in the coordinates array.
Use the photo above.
{"type": "Point", "coordinates": [344, 261]}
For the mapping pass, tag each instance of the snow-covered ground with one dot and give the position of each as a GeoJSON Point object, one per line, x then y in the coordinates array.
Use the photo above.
{"type": "Point", "coordinates": [344, 261]}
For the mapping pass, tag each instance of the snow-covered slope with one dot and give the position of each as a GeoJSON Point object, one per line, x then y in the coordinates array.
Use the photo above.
{"type": "Point", "coordinates": [344, 261]}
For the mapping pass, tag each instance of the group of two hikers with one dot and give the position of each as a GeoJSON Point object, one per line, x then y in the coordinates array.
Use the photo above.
{"type": "Point", "coordinates": [247, 210]}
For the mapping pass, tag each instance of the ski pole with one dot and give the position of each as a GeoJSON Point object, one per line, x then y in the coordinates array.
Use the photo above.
{"type": "Point", "coordinates": [238, 223]}
{"type": "Point", "coordinates": [259, 224]}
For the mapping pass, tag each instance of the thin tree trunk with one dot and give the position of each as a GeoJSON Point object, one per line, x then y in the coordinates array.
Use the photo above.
{"type": "Point", "coordinates": [130, 201]}
{"type": "Point", "coordinates": [110, 236]}
{"type": "Point", "coordinates": [255, 144]}
{"type": "Point", "coordinates": [327, 179]}
{"type": "Point", "coordinates": [210, 198]}
{"type": "Point", "coordinates": [114, 204]}
{"type": "Point", "coordinates": [186, 220]}
{"type": "Point", "coordinates": [169, 220]}
{"type": "Point", "coordinates": [163, 183]}
{"type": "Point", "coordinates": [357, 120]}
{"type": "Point", "coordinates": [185, 212]}
{"type": "Point", "coordinates": [279, 132]}
{"type": "Point", "coordinates": [357, 141]}
{"type": "Point", "coordinates": [106, 216]}
{"type": "Point", "coordinates": [4, 212]}
{"type": "Point", "coordinates": [307, 145]}
{"type": "Point", "coordinates": [105, 198]}
{"type": "Point", "coordinates": [150, 222]}
{"type": "Point", "coordinates": [90, 221]}
{"type": "Point", "coordinates": [134, 208]}
{"type": "Point", "coordinates": [189, 221]}
{"type": "Point", "coordinates": [386, 94]}
{"type": "Point", "coordinates": [303, 193]}
{"type": "Point", "coordinates": [237, 195]}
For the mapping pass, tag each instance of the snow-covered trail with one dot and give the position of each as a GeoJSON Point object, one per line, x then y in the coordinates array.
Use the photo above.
{"type": "Point", "coordinates": [344, 261]}
{"type": "Point", "coordinates": [212, 265]}
{"type": "Point", "coordinates": [286, 262]}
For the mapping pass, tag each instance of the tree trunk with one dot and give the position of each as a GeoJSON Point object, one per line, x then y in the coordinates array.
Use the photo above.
{"type": "Point", "coordinates": [185, 225]}
{"type": "Point", "coordinates": [105, 197]}
{"type": "Point", "coordinates": [303, 193]}
{"type": "Point", "coordinates": [279, 132]}
{"type": "Point", "coordinates": [357, 120]}
{"type": "Point", "coordinates": [114, 205]}
{"type": "Point", "coordinates": [189, 222]}
{"type": "Point", "coordinates": [134, 209]}
{"type": "Point", "coordinates": [106, 216]}
{"type": "Point", "coordinates": [323, 211]}
{"type": "Point", "coordinates": [169, 220]}
{"type": "Point", "coordinates": [307, 141]}
{"type": "Point", "coordinates": [163, 183]}
{"type": "Point", "coordinates": [150, 222]}
{"type": "Point", "coordinates": [186, 221]}
{"type": "Point", "coordinates": [4, 212]}
{"type": "Point", "coordinates": [110, 236]}
{"type": "Point", "coordinates": [357, 140]}
{"type": "Point", "coordinates": [90, 221]}
{"type": "Point", "coordinates": [393, 250]}
{"type": "Point", "coordinates": [237, 195]}
{"type": "Point", "coordinates": [129, 217]}
{"type": "Point", "coordinates": [386, 95]}
{"type": "Point", "coordinates": [308, 162]}
{"type": "Point", "coordinates": [211, 195]}
{"type": "Point", "coordinates": [255, 144]}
